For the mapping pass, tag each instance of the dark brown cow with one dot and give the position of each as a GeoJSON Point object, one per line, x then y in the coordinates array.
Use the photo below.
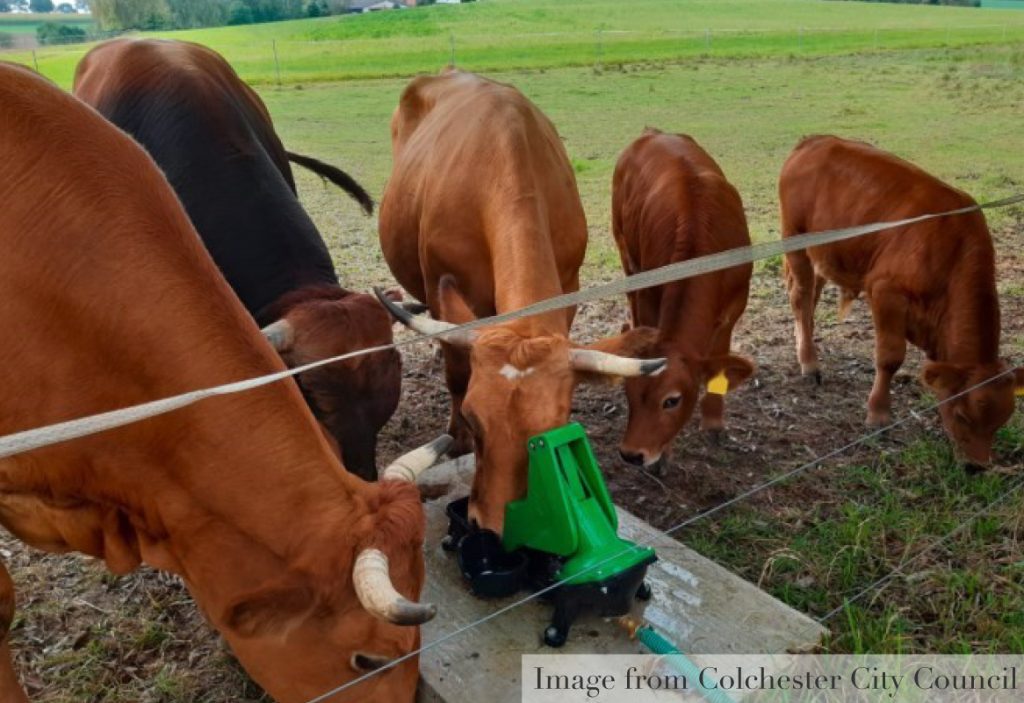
{"type": "Point", "coordinates": [213, 138]}
{"type": "Point", "coordinates": [931, 283]}
{"type": "Point", "coordinates": [109, 299]}
{"type": "Point", "coordinates": [482, 215]}
{"type": "Point", "coordinates": [671, 202]}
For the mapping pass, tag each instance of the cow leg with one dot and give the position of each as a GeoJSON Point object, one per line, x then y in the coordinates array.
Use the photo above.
{"type": "Point", "coordinates": [889, 310]}
{"type": "Point", "coordinates": [804, 289]}
{"type": "Point", "coordinates": [456, 372]}
{"type": "Point", "coordinates": [10, 689]}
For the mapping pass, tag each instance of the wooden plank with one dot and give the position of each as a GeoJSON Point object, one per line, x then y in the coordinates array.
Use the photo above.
{"type": "Point", "coordinates": [699, 605]}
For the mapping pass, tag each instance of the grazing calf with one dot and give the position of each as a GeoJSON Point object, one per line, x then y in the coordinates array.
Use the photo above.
{"type": "Point", "coordinates": [671, 202]}
{"type": "Point", "coordinates": [482, 216]}
{"type": "Point", "coordinates": [109, 299]}
{"type": "Point", "coordinates": [930, 283]}
{"type": "Point", "coordinates": [213, 138]}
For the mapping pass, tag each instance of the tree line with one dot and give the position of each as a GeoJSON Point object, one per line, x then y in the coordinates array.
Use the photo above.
{"type": "Point", "coordinates": [120, 15]}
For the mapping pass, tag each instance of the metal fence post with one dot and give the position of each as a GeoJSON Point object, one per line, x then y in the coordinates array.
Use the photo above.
{"type": "Point", "coordinates": [277, 64]}
{"type": "Point", "coordinates": [801, 38]}
{"type": "Point", "coordinates": [599, 48]}
{"type": "Point", "coordinates": [451, 41]}
{"type": "Point", "coordinates": [707, 38]}
{"type": "Point", "coordinates": [35, 62]}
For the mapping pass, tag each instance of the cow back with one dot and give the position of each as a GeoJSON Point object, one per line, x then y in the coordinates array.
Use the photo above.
{"type": "Point", "coordinates": [213, 138]}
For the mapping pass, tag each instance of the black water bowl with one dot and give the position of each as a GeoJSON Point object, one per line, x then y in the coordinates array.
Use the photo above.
{"type": "Point", "coordinates": [491, 571]}
{"type": "Point", "coordinates": [458, 523]}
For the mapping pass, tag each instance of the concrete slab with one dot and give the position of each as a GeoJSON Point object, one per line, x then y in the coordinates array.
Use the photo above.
{"type": "Point", "coordinates": [699, 605]}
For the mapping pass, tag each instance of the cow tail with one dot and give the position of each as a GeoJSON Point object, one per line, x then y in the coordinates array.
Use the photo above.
{"type": "Point", "coordinates": [336, 176]}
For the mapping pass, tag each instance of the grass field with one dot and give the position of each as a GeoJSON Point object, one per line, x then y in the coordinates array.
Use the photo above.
{"type": "Point", "coordinates": [945, 91]}
{"type": "Point", "coordinates": [493, 35]}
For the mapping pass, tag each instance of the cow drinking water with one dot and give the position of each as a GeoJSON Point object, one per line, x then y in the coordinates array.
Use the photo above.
{"type": "Point", "coordinates": [482, 216]}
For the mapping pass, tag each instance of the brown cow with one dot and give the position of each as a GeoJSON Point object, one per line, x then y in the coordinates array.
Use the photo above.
{"type": "Point", "coordinates": [109, 299]}
{"type": "Point", "coordinates": [213, 138]}
{"type": "Point", "coordinates": [671, 202]}
{"type": "Point", "coordinates": [931, 283]}
{"type": "Point", "coordinates": [481, 215]}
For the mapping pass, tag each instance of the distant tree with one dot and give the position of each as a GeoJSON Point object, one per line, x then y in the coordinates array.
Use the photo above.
{"type": "Point", "coordinates": [189, 14]}
{"type": "Point", "coordinates": [5, 6]}
{"type": "Point", "coordinates": [40, 5]}
{"type": "Point", "coordinates": [59, 33]}
{"type": "Point", "coordinates": [66, 7]}
{"type": "Point", "coordinates": [131, 14]}
{"type": "Point", "coordinates": [240, 13]}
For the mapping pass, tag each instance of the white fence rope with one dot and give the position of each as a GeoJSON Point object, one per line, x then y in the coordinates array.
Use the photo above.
{"type": "Point", "coordinates": [38, 438]}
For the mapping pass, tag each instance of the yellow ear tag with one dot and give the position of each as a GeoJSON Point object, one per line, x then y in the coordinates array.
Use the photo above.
{"type": "Point", "coordinates": [1019, 392]}
{"type": "Point", "coordinates": [719, 385]}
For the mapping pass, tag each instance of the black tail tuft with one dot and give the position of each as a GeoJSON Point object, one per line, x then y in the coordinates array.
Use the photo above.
{"type": "Point", "coordinates": [336, 176]}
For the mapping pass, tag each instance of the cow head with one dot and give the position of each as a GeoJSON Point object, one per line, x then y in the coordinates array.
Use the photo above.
{"type": "Point", "coordinates": [972, 419]}
{"type": "Point", "coordinates": [352, 399]}
{"type": "Point", "coordinates": [349, 610]}
{"type": "Point", "coordinates": [660, 406]}
{"type": "Point", "coordinates": [521, 385]}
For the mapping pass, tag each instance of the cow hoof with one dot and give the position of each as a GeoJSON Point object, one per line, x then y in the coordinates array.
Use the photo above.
{"type": "Point", "coordinates": [715, 436]}
{"type": "Point", "coordinates": [813, 377]}
{"type": "Point", "coordinates": [972, 469]}
{"type": "Point", "coordinates": [879, 419]}
{"type": "Point", "coordinates": [658, 467]}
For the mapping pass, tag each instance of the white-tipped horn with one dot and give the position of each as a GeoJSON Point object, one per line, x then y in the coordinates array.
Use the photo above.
{"type": "Point", "coordinates": [280, 334]}
{"type": "Point", "coordinates": [613, 365]}
{"type": "Point", "coordinates": [378, 596]}
{"type": "Point", "coordinates": [424, 324]}
{"type": "Point", "coordinates": [409, 466]}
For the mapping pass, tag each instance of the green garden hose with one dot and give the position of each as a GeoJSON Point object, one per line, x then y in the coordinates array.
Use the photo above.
{"type": "Point", "coordinates": [679, 661]}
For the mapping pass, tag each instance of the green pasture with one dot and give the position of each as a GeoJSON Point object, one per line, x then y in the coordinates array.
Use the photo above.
{"type": "Point", "coordinates": [954, 111]}
{"type": "Point", "coordinates": [496, 35]}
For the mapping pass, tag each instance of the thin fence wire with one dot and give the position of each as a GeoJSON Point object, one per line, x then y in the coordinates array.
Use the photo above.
{"type": "Point", "coordinates": [878, 584]}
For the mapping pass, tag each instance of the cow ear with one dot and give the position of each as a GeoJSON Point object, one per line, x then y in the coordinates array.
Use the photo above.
{"type": "Point", "coordinates": [943, 378]}
{"type": "Point", "coordinates": [734, 370]}
{"type": "Point", "coordinates": [454, 307]}
{"type": "Point", "coordinates": [269, 611]}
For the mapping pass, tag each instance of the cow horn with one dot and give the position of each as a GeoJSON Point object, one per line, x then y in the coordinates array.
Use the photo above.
{"type": "Point", "coordinates": [280, 334]}
{"type": "Point", "coordinates": [378, 595]}
{"type": "Point", "coordinates": [613, 365]}
{"type": "Point", "coordinates": [424, 324]}
{"type": "Point", "coordinates": [410, 465]}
